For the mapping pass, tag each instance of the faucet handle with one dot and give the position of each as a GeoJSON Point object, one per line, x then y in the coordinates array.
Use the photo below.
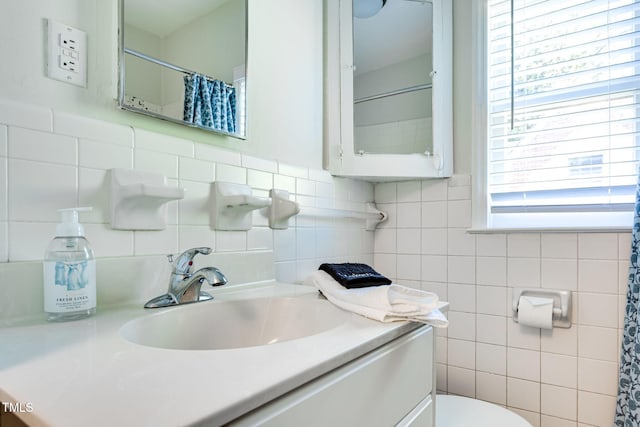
{"type": "Point", "coordinates": [184, 261]}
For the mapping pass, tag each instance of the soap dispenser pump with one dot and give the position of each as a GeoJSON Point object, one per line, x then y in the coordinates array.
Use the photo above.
{"type": "Point", "coordinates": [69, 271]}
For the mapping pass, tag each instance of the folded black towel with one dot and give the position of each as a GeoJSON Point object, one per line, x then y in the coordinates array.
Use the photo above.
{"type": "Point", "coordinates": [354, 275]}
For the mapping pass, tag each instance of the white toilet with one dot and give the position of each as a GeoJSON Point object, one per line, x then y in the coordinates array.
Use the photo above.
{"type": "Point", "coordinates": [456, 411]}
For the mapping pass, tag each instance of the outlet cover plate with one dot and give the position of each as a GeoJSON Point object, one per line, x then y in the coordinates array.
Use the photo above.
{"type": "Point", "coordinates": [66, 53]}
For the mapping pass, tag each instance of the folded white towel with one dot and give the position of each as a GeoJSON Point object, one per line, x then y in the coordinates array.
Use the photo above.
{"type": "Point", "coordinates": [386, 303]}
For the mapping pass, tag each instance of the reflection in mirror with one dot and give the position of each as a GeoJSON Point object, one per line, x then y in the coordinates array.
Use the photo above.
{"type": "Point", "coordinates": [392, 77]}
{"type": "Point", "coordinates": [184, 61]}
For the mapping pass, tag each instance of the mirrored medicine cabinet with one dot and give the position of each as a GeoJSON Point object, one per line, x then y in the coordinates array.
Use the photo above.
{"type": "Point", "coordinates": [184, 61]}
{"type": "Point", "coordinates": [388, 89]}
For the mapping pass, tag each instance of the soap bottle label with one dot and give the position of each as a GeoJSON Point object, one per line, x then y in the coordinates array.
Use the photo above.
{"type": "Point", "coordinates": [70, 286]}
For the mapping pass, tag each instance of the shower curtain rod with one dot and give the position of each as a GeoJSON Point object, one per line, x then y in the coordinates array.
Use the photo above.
{"type": "Point", "coordinates": [166, 64]}
{"type": "Point", "coordinates": [394, 92]}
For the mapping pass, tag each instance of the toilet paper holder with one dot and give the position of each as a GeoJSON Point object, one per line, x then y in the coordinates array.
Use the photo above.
{"type": "Point", "coordinates": [561, 304]}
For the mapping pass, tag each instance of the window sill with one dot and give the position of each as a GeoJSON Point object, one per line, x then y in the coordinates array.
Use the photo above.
{"type": "Point", "coordinates": [479, 230]}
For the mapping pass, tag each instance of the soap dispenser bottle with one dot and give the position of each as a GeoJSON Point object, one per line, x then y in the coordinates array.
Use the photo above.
{"type": "Point", "coordinates": [69, 271]}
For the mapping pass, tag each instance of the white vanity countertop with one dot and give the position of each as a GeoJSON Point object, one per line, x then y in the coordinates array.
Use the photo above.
{"type": "Point", "coordinates": [84, 373]}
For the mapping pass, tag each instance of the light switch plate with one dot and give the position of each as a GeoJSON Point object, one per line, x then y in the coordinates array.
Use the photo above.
{"type": "Point", "coordinates": [66, 53]}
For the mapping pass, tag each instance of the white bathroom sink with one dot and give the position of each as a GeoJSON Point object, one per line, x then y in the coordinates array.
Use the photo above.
{"type": "Point", "coordinates": [234, 324]}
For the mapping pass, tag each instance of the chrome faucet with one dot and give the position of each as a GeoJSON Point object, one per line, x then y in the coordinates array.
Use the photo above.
{"type": "Point", "coordinates": [184, 286]}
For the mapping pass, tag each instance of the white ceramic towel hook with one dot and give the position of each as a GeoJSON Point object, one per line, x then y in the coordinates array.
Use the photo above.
{"type": "Point", "coordinates": [232, 204]}
{"type": "Point", "coordinates": [138, 200]}
{"type": "Point", "coordinates": [281, 209]}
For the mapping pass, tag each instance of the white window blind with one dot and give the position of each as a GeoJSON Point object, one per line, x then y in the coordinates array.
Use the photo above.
{"type": "Point", "coordinates": [563, 103]}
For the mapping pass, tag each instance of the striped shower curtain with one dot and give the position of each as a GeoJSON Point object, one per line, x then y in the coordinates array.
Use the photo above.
{"type": "Point", "coordinates": [209, 103]}
{"type": "Point", "coordinates": [628, 405]}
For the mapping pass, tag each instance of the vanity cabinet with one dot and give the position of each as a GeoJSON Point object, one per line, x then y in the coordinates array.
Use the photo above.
{"type": "Point", "coordinates": [392, 385]}
{"type": "Point", "coordinates": [388, 111]}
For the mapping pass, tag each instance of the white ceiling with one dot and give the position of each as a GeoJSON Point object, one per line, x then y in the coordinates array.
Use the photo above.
{"type": "Point", "coordinates": [401, 30]}
{"type": "Point", "coordinates": [166, 16]}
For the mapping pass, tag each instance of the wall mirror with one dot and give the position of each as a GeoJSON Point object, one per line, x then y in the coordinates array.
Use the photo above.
{"type": "Point", "coordinates": [388, 89]}
{"type": "Point", "coordinates": [185, 61]}
{"type": "Point", "coordinates": [392, 47]}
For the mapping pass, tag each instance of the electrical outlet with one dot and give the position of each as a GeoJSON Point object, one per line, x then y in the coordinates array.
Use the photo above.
{"type": "Point", "coordinates": [68, 64]}
{"type": "Point", "coordinates": [66, 53]}
{"type": "Point", "coordinates": [68, 42]}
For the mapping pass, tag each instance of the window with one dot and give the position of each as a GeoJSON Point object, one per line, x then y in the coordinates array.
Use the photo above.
{"type": "Point", "coordinates": [563, 97]}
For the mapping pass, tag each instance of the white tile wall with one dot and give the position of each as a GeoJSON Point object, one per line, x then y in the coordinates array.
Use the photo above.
{"type": "Point", "coordinates": [259, 180]}
{"type": "Point", "coordinates": [600, 276]}
{"type": "Point", "coordinates": [26, 116]}
{"type": "Point", "coordinates": [228, 173]}
{"type": "Point", "coordinates": [491, 244]}
{"type": "Point", "coordinates": [559, 274]}
{"type": "Point", "coordinates": [491, 329]}
{"type": "Point", "coordinates": [523, 394]}
{"type": "Point", "coordinates": [459, 242]}
{"type": "Point", "coordinates": [323, 176]}
{"type": "Point", "coordinates": [491, 271]}
{"type": "Point", "coordinates": [293, 171]}
{"type": "Point", "coordinates": [218, 155]}
{"type": "Point", "coordinates": [461, 381]}
{"type": "Point", "coordinates": [408, 215]}
{"type": "Point", "coordinates": [463, 326]}
{"type": "Point", "coordinates": [491, 358]}
{"type": "Point", "coordinates": [492, 300]}
{"type": "Point", "coordinates": [104, 155]}
{"type": "Point", "coordinates": [559, 369]}
{"type": "Point", "coordinates": [37, 189]}
{"type": "Point", "coordinates": [193, 209]}
{"type": "Point", "coordinates": [92, 185]}
{"type": "Point", "coordinates": [435, 190]}
{"type": "Point", "coordinates": [82, 127]}
{"type": "Point", "coordinates": [284, 183]}
{"type": "Point", "coordinates": [251, 162]}
{"type": "Point", "coordinates": [523, 272]}
{"type": "Point", "coordinates": [492, 388]}
{"type": "Point", "coordinates": [524, 364]}
{"type": "Point", "coordinates": [560, 341]}
{"type": "Point", "coordinates": [556, 378]}
{"type": "Point", "coordinates": [563, 245]}
{"type": "Point", "coordinates": [147, 140]}
{"type": "Point", "coordinates": [196, 170]}
{"type": "Point", "coordinates": [28, 240]}
{"type": "Point", "coordinates": [409, 241]}
{"type": "Point", "coordinates": [150, 243]}
{"type": "Point", "coordinates": [408, 267]}
{"type": "Point", "coordinates": [558, 402]}
{"type": "Point", "coordinates": [461, 353]}
{"type": "Point", "coordinates": [434, 214]}
{"type": "Point", "coordinates": [461, 269]}
{"type": "Point", "coordinates": [153, 161]}
{"type": "Point", "coordinates": [462, 297]}
{"type": "Point", "coordinates": [598, 246]}
{"type": "Point", "coordinates": [409, 191]}
{"type": "Point", "coordinates": [51, 159]}
{"type": "Point", "coordinates": [42, 146]}
{"type": "Point", "coordinates": [523, 245]}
